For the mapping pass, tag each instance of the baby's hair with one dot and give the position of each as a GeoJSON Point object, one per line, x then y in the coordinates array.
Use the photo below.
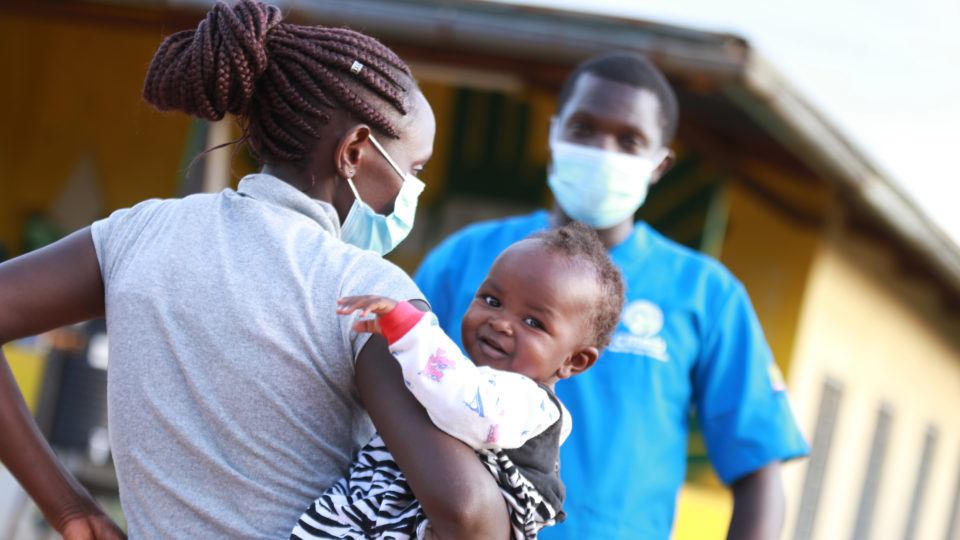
{"type": "Point", "coordinates": [278, 78]}
{"type": "Point", "coordinates": [581, 243]}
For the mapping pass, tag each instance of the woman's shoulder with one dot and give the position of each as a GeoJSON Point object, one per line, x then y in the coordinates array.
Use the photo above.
{"type": "Point", "coordinates": [366, 272]}
{"type": "Point", "coordinates": [121, 222]}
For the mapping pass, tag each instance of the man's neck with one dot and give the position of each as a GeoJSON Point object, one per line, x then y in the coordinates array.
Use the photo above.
{"type": "Point", "coordinates": [610, 237]}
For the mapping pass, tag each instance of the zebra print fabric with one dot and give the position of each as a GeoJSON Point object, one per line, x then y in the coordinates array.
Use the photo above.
{"type": "Point", "coordinates": [374, 501]}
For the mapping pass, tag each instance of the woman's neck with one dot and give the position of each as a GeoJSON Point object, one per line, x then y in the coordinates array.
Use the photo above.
{"type": "Point", "coordinates": [300, 177]}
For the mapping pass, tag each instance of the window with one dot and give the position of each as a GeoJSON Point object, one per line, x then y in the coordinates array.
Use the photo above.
{"type": "Point", "coordinates": [920, 488]}
{"type": "Point", "coordinates": [871, 481]}
{"type": "Point", "coordinates": [817, 466]}
{"type": "Point", "coordinates": [953, 526]}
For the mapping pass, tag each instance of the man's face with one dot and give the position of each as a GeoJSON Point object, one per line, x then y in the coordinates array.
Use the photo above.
{"type": "Point", "coordinates": [611, 116]}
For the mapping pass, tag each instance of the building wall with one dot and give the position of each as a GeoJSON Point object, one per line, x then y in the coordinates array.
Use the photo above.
{"type": "Point", "coordinates": [74, 113]}
{"type": "Point", "coordinates": [882, 338]}
{"type": "Point", "coordinates": [772, 255]}
{"type": "Point", "coordinates": [27, 365]}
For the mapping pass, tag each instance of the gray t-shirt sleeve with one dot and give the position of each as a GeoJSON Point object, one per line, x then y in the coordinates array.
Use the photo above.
{"type": "Point", "coordinates": [372, 275]}
{"type": "Point", "coordinates": [114, 235]}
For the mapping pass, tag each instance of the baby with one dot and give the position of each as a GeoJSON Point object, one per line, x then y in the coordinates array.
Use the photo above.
{"type": "Point", "coordinates": [544, 313]}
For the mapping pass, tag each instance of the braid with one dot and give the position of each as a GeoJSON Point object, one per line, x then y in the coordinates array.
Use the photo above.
{"type": "Point", "coordinates": [266, 133]}
{"type": "Point", "coordinates": [342, 91]}
{"type": "Point", "coordinates": [282, 84]}
{"type": "Point", "coordinates": [277, 77]}
{"type": "Point", "coordinates": [277, 101]}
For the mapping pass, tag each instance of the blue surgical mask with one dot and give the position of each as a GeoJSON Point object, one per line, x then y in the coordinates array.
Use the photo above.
{"type": "Point", "coordinates": [367, 229]}
{"type": "Point", "coordinates": [598, 187]}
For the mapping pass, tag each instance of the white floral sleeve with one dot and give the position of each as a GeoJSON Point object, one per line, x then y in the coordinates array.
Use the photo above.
{"type": "Point", "coordinates": [485, 408]}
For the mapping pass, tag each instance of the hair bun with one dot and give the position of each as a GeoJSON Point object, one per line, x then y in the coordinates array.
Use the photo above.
{"type": "Point", "coordinates": [213, 70]}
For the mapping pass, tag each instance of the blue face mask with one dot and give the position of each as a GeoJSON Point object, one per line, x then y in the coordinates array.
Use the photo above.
{"type": "Point", "coordinates": [367, 229]}
{"type": "Point", "coordinates": [598, 187]}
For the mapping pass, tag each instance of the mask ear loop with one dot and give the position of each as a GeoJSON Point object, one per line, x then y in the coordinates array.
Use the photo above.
{"type": "Point", "coordinates": [354, 190]}
{"type": "Point", "coordinates": [661, 155]}
{"type": "Point", "coordinates": [388, 158]}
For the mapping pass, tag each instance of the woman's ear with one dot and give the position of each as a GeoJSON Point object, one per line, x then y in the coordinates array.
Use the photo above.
{"type": "Point", "coordinates": [350, 149]}
{"type": "Point", "coordinates": [578, 362]}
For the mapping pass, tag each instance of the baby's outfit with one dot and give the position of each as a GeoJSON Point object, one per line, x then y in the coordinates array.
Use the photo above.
{"type": "Point", "coordinates": [515, 424]}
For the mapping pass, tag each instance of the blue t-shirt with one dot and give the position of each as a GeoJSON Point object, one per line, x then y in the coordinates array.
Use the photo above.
{"type": "Point", "coordinates": [688, 336]}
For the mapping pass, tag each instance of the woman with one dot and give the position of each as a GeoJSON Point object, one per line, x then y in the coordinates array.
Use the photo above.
{"type": "Point", "coordinates": [235, 394]}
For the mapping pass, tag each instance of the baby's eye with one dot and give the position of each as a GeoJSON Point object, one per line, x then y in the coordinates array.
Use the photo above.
{"type": "Point", "coordinates": [490, 300]}
{"type": "Point", "coordinates": [533, 323]}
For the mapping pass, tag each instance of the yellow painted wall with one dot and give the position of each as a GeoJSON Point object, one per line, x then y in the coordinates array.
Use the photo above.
{"type": "Point", "coordinates": [885, 337]}
{"type": "Point", "coordinates": [441, 98]}
{"type": "Point", "coordinates": [703, 513]}
{"type": "Point", "coordinates": [27, 366]}
{"type": "Point", "coordinates": [72, 91]}
{"type": "Point", "coordinates": [772, 256]}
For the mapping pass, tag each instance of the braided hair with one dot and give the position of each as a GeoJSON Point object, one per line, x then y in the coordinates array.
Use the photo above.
{"type": "Point", "coordinates": [280, 79]}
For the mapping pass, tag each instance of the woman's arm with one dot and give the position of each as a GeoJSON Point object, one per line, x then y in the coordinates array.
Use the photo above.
{"type": "Point", "coordinates": [52, 287]}
{"type": "Point", "coordinates": [484, 407]}
{"type": "Point", "coordinates": [457, 493]}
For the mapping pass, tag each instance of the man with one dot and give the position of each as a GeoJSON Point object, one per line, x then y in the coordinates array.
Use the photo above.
{"type": "Point", "coordinates": [688, 335]}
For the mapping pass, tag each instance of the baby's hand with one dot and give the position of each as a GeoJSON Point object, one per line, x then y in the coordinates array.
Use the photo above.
{"type": "Point", "coordinates": [378, 305]}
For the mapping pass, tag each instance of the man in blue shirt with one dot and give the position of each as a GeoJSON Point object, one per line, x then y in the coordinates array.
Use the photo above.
{"type": "Point", "coordinates": [688, 335]}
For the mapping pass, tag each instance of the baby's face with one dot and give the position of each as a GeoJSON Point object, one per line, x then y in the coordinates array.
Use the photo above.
{"type": "Point", "coordinates": [531, 313]}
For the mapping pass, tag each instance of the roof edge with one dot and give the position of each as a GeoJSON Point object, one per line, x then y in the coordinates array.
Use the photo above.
{"type": "Point", "coordinates": [839, 158]}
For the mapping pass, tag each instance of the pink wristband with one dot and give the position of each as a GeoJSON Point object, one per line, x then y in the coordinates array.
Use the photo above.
{"type": "Point", "coordinates": [399, 321]}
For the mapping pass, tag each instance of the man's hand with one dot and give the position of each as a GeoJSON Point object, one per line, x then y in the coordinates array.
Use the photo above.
{"type": "Point", "coordinates": [378, 305]}
{"type": "Point", "coordinates": [92, 527]}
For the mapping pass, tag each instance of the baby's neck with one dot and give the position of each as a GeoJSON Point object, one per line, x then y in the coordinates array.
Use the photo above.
{"type": "Point", "coordinates": [549, 383]}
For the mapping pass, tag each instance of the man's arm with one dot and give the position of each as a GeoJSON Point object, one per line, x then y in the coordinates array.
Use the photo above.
{"type": "Point", "coordinates": [745, 415]}
{"type": "Point", "coordinates": [46, 289]}
{"type": "Point", "coordinates": [457, 493]}
{"type": "Point", "coordinates": [758, 505]}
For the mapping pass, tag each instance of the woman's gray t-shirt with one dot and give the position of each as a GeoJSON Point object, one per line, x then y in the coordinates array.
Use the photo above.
{"type": "Point", "coordinates": [232, 401]}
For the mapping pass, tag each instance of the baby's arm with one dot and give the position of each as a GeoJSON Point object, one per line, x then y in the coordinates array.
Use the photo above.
{"type": "Point", "coordinates": [483, 407]}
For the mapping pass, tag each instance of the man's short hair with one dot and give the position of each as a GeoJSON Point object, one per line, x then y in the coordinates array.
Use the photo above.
{"type": "Point", "coordinates": [634, 70]}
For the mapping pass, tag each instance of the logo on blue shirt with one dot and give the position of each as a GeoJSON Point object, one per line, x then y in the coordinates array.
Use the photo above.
{"type": "Point", "coordinates": [643, 321]}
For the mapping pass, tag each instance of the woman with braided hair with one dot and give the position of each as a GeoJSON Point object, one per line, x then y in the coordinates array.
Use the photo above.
{"type": "Point", "coordinates": [235, 390]}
